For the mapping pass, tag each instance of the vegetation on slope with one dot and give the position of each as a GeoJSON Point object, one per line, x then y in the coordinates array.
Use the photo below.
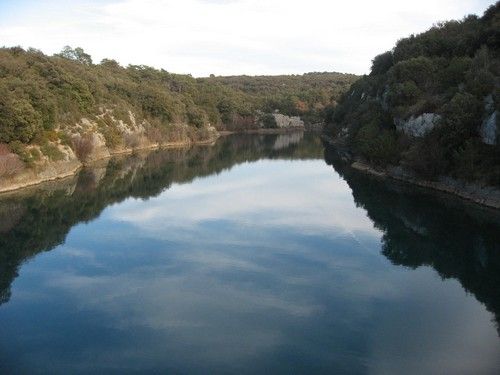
{"type": "Point", "coordinates": [309, 96]}
{"type": "Point", "coordinates": [48, 103]}
{"type": "Point", "coordinates": [431, 103]}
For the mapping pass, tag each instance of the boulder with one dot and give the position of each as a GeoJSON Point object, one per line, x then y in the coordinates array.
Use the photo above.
{"type": "Point", "coordinates": [489, 129]}
{"type": "Point", "coordinates": [418, 126]}
{"type": "Point", "coordinates": [283, 121]}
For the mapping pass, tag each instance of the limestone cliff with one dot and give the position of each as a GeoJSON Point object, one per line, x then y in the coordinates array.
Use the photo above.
{"type": "Point", "coordinates": [91, 139]}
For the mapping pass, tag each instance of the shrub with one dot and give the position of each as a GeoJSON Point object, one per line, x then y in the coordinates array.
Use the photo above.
{"type": "Point", "coordinates": [132, 140]}
{"type": "Point", "coordinates": [121, 113]}
{"type": "Point", "coordinates": [421, 70]}
{"type": "Point", "coordinates": [112, 136]}
{"type": "Point", "coordinates": [461, 119]}
{"type": "Point", "coordinates": [426, 157]}
{"type": "Point", "coordinates": [17, 147]}
{"type": "Point", "coordinates": [52, 151]}
{"type": "Point", "coordinates": [34, 154]}
{"type": "Point", "coordinates": [268, 121]}
{"type": "Point", "coordinates": [196, 117]}
{"type": "Point", "coordinates": [83, 145]}
{"type": "Point", "coordinates": [26, 155]}
{"type": "Point", "coordinates": [480, 83]}
{"type": "Point", "coordinates": [379, 146]}
{"type": "Point", "coordinates": [10, 164]}
{"type": "Point", "coordinates": [19, 121]}
{"type": "Point", "coordinates": [155, 134]}
{"type": "Point", "coordinates": [404, 94]}
{"type": "Point", "coordinates": [4, 149]}
{"type": "Point", "coordinates": [64, 138]}
{"type": "Point", "coordinates": [454, 73]}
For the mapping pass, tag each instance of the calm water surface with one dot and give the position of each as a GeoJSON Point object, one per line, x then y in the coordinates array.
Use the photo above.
{"type": "Point", "coordinates": [261, 254]}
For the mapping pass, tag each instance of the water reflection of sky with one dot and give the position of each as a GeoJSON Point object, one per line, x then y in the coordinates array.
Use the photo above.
{"type": "Point", "coordinates": [268, 267]}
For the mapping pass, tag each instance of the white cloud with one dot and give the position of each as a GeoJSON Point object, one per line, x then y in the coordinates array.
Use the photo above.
{"type": "Point", "coordinates": [229, 36]}
{"type": "Point", "coordinates": [240, 196]}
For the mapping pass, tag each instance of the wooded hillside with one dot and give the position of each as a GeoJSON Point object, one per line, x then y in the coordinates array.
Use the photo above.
{"type": "Point", "coordinates": [430, 104]}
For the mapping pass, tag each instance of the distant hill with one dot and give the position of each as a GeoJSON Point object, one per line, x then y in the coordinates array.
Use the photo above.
{"type": "Point", "coordinates": [308, 95]}
{"type": "Point", "coordinates": [430, 104]}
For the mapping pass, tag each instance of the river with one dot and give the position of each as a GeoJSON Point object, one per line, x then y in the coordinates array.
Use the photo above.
{"type": "Point", "coordinates": [259, 254]}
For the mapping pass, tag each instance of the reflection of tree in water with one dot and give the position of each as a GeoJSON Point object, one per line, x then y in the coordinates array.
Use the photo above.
{"type": "Point", "coordinates": [420, 228]}
{"type": "Point", "coordinates": [39, 220]}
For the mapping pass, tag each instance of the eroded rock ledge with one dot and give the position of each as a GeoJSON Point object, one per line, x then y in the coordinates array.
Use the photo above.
{"type": "Point", "coordinates": [90, 141]}
{"type": "Point", "coordinates": [477, 193]}
{"type": "Point", "coordinates": [485, 195]}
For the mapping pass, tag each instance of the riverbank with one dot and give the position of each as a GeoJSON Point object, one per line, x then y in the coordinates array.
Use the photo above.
{"type": "Point", "coordinates": [484, 195]}
{"type": "Point", "coordinates": [58, 170]}
{"type": "Point", "coordinates": [264, 131]}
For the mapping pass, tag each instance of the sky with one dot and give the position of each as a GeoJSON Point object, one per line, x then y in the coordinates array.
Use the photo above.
{"type": "Point", "coordinates": [227, 37]}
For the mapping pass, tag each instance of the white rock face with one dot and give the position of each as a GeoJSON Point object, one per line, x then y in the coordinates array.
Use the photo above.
{"type": "Point", "coordinates": [418, 126]}
{"type": "Point", "coordinates": [489, 130]}
{"type": "Point", "coordinates": [283, 121]}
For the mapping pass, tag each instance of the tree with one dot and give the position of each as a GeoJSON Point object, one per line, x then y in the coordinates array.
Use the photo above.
{"type": "Point", "coordinates": [461, 117]}
{"type": "Point", "coordinates": [110, 63]}
{"type": "Point", "coordinates": [77, 54]}
{"type": "Point", "coordinates": [382, 63]}
{"type": "Point", "coordinates": [18, 121]}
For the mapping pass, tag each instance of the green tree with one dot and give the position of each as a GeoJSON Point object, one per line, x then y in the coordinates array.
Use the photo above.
{"type": "Point", "coordinates": [382, 63]}
{"type": "Point", "coordinates": [18, 120]}
{"type": "Point", "coordinates": [77, 54]}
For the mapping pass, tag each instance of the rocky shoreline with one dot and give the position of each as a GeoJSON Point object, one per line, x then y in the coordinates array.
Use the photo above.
{"type": "Point", "coordinates": [56, 170]}
{"type": "Point", "coordinates": [263, 131]}
{"type": "Point", "coordinates": [91, 141]}
{"type": "Point", "coordinates": [484, 195]}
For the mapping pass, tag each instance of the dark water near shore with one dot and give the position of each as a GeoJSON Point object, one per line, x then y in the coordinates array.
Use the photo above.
{"type": "Point", "coordinates": [261, 254]}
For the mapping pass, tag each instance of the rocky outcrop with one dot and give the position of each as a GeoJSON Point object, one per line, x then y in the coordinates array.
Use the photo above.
{"type": "Point", "coordinates": [476, 192]}
{"type": "Point", "coordinates": [482, 194]}
{"type": "Point", "coordinates": [92, 140]}
{"type": "Point", "coordinates": [95, 136]}
{"type": "Point", "coordinates": [283, 121]}
{"type": "Point", "coordinates": [418, 126]}
{"type": "Point", "coordinates": [489, 128]}
{"type": "Point", "coordinates": [44, 170]}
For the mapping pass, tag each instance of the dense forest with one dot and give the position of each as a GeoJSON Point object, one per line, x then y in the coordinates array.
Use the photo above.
{"type": "Point", "coordinates": [431, 104]}
{"type": "Point", "coordinates": [309, 96]}
{"type": "Point", "coordinates": [52, 104]}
